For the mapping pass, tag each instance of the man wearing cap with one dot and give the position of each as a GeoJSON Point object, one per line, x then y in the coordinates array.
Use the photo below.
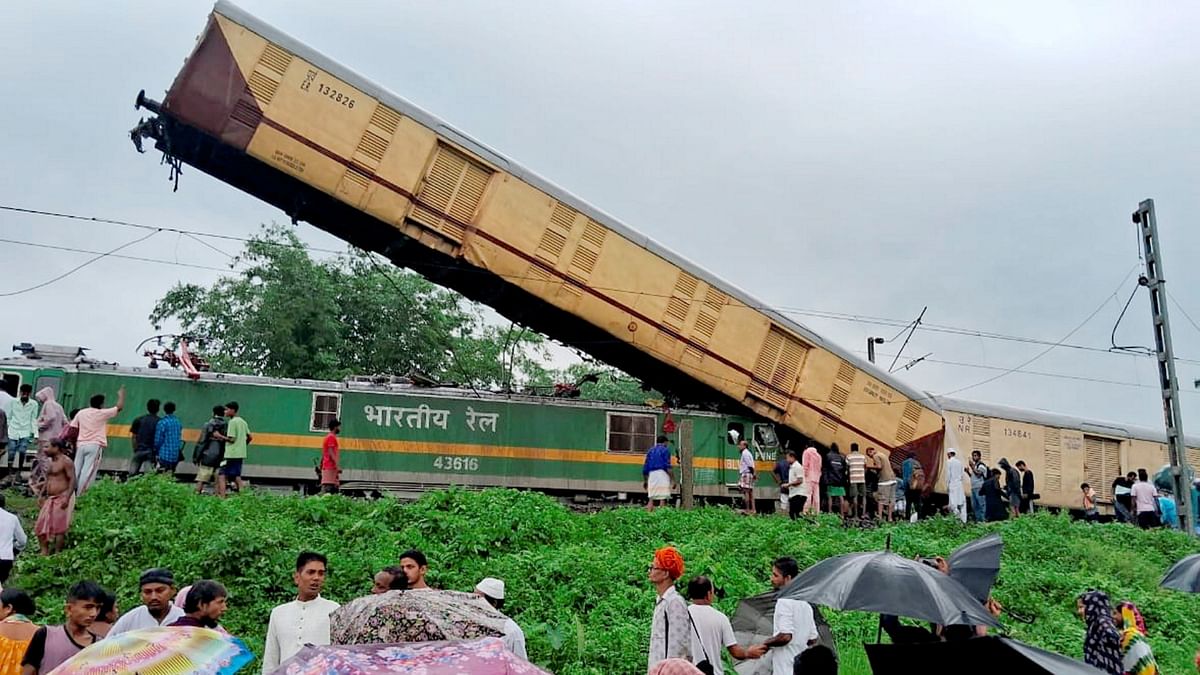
{"type": "Point", "coordinates": [492, 590]}
{"type": "Point", "coordinates": [158, 587]}
{"type": "Point", "coordinates": [670, 630]}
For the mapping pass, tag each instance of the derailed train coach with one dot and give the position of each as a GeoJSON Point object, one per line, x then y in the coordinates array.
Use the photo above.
{"type": "Point", "coordinates": [265, 113]}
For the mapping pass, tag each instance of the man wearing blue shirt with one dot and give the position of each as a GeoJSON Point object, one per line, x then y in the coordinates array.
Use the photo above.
{"type": "Point", "coordinates": [168, 439]}
{"type": "Point", "coordinates": [656, 474]}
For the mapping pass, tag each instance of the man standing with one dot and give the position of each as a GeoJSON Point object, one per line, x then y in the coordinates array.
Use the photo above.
{"type": "Point", "coordinates": [57, 502]}
{"type": "Point", "coordinates": [158, 588]}
{"type": "Point", "coordinates": [237, 442]}
{"type": "Point", "coordinates": [92, 438]}
{"type": "Point", "coordinates": [656, 474]}
{"type": "Point", "coordinates": [913, 475]}
{"type": "Point", "coordinates": [168, 440]}
{"type": "Point", "coordinates": [303, 621]}
{"type": "Point", "coordinates": [141, 438]}
{"type": "Point", "coordinates": [1012, 485]}
{"type": "Point", "coordinates": [794, 625]}
{"type": "Point", "coordinates": [811, 462]}
{"type": "Point", "coordinates": [954, 486]}
{"type": "Point", "coordinates": [204, 604]}
{"type": "Point", "coordinates": [330, 473]}
{"type": "Point", "coordinates": [979, 473]}
{"type": "Point", "coordinates": [1123, 497]}
{"type": "Point", "coordinates": [747, 475]}
{"type": "Point", "coordinates": [210, 449]}
{"type": "Point", "coordinates": [856, 492]}
{"type": "Point", "coordinates": [833, 477]}
{"type": "Point", "coordinates": [712, 634]}
{"type": "Point", "coordinates": [12, 540]}
{"type": "Point", "coordinates": [1145, 501]}
{"type": "Point", "coordinates": [53, 646]}
{"type": "Point", "coordinates": [874, 469]}
{"type": "Point", "coordinates": [492, 590]}
{"type": "Point", "coordinates": [779, 474]}
{"type": "Point", "coordinates": [795, 483]}
{"type": "Point", "coordinates": [1027, 487]}
{"type": "Point", "coordinates": [22, 427]}
{"type": "Point", "coordinates": [670, 629]}
{"type": "Point", "coordinates": [415, 566]}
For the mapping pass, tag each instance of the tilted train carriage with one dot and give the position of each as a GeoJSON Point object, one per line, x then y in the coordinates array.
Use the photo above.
{"type": "Point", "coordinates": [264, 112]}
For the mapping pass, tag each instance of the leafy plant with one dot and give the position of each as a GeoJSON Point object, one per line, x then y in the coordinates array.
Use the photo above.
{"type": "Point", "coordinates": [575, 582]}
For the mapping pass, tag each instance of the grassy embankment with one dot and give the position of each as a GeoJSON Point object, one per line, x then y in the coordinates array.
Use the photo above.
{"type": "Point", "coordinates": [576, 583]}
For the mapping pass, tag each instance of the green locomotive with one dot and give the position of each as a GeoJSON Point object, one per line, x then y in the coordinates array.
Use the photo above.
{"type": "Point", "coordinates": [403, 438]}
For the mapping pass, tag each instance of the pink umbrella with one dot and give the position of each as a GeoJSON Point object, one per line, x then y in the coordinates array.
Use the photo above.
{"type": "Point", "coordinates": [477, 657]}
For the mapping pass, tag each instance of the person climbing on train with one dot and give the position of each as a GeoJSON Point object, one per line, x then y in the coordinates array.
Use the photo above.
{"type": "Point", "coordinates": [656, 474]}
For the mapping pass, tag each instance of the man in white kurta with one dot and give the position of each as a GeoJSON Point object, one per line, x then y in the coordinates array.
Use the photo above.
{"type": "Point", "coordinates": [492, 590]}
{"type": "Point", "coordinates": [954, 485]}
{"type": "Point", "coordinates": [303, 621]}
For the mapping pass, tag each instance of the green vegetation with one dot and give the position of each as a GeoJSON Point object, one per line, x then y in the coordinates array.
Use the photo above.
{"type": "Point", "coordinates": [576, 583]}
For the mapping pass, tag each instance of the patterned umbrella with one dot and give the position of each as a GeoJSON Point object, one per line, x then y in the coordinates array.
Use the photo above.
{"type": "Point", "coordinates": [163, 650]}
{"type": "Point", "coordinates": [479, 657]}
{"type": "Point", "coordinates": [417, 615]}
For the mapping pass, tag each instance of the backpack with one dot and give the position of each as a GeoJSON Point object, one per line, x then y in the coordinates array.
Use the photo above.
{"type": "Point", "coordinates": [916, 481]}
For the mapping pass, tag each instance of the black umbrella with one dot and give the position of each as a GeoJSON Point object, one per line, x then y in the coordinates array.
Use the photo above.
{"type": "Point", "coordinates": [886, 583]}
{"type": "Point", "coordinates": [976, 564]}
{"type": "Point", "coordinates": [1184, 575]}
{"type": "Point", "coordinates": [754, 621]}
{"type": "Point", "coordinates": [982, 655]}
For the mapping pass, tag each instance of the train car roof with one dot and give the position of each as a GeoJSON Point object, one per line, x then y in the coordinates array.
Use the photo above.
{"type": "Point", "coordinates": [244, 18]}
{"type": "Point", "coordinates": [345, 386]}
{"type": "Point", "coordinates": [1052, 419]}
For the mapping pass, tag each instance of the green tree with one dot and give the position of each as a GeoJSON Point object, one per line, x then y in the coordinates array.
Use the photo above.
{"type": "Point", "coordinates": [283, 314]}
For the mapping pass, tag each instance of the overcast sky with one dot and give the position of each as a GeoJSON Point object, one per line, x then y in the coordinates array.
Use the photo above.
{"type": "Point", "coordinates": [872, 158]}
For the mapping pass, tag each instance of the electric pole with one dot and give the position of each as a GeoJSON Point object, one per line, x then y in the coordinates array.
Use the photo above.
{"type": "Point", "coordinates": [1154, 280]}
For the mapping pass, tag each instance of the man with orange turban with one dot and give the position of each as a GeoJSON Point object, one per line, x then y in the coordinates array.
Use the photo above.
{"type": "Point", "coordinates": [670, 635]}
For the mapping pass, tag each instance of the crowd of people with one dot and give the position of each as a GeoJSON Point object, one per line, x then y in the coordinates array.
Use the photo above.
{"type": "Point", "coordinates": [1136, 500]}
{"type": "Point", "coordinates": [863, 485]}
{"type": "Point", "coordinates": [91, 613]}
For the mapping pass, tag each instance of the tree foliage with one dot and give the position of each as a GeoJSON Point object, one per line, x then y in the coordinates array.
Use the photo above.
{"type": "Point", "coordinates": [284, 314]}
{"type": "Point", "coordinates": [577, 583]}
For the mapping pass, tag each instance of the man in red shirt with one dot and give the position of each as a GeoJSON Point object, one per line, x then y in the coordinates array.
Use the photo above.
{"type": "Point", "coordinates": [330, 473]}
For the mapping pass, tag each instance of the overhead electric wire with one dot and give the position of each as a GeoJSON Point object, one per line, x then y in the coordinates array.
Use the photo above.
{"type": "Point", "coordinates": [75, 269]}
{"type": "Point", "coordinates": [1047, 350]}
{"type": "Point", "coordinates": [824, 314]}
{"type": "Point", "coordinates": [158, 261]}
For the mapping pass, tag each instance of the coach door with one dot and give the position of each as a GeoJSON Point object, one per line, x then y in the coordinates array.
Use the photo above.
{"type": "Point", "coordinates": [1101, 464]}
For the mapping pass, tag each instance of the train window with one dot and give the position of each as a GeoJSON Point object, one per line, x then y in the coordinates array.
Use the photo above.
{"type": "Point", "coordinates": [52, 381]}
{"type": "Point", "coordinates": [764, 436]}
{"type": "Point", "coordinates": [325, 407]}
{"type": "Point", "coordinates": [10, 384]}
{"type": "Point", "coordinates": [631, 433]}
{"type": "Point", "coordinates": [735, 432]}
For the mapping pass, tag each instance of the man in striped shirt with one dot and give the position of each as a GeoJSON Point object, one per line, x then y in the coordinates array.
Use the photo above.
{"type": "Point", "coordinates": [857, 491]}
{"type": "Point", "coordinates": [168, 439]}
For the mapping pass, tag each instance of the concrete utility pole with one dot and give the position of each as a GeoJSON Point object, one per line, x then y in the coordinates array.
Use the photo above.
{"type": "Point", "coordinates": [1154, 280]}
